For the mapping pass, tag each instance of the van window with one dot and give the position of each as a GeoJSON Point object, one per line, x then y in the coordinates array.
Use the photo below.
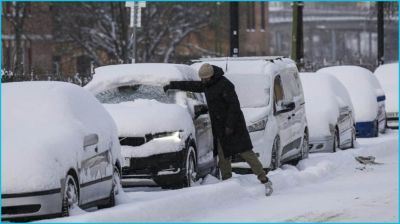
{"type": "Point", "coordinates": [278, 90]}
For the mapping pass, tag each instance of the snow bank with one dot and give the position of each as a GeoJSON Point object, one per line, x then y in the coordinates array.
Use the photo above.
{"type": "Point", "coordinates": [388, 76]}
{"type": "Point", "coordinates": [324, 96]}
{"type": "Point", "coordinates": [112, 76]}
{"type": "Point", "coordinates": [141, 117]}
{"type": "Point", "coordinates": [359, 84]}
{"type": "Point", "coordinates": [44, 124]}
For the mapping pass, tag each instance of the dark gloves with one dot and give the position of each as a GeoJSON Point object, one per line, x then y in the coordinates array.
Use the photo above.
{"type": "Point", "coordinates": [228, 131]}
{"type": "Point", "coordinates": [167, 87]}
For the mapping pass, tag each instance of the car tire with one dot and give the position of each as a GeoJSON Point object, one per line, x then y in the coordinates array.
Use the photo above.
{"type": "Point", "coordinates": [275, 157]}
{"type": "Point", "coordinates": [114, 190]}
{"type": "Point", "coordinates": [376, 129]}
{"type": "Point", "coordinates": [190, 175]}
{"type": "Point", "coordinates": [304, 147]}
{"type": "Point", "coordinates": [336, 140]}
{"type": "Point", "coordinates": [70, 195]}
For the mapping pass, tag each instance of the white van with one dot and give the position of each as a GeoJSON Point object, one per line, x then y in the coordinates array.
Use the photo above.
{"type": "Point", "coordinates": [272, 101]}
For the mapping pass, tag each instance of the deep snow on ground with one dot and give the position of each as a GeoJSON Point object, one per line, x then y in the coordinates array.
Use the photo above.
{"type": "Point", "coordinates": [324, 187]}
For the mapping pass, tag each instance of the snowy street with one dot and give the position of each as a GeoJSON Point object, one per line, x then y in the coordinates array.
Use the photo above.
{"type": "Point", "coordinates": [324, 187]}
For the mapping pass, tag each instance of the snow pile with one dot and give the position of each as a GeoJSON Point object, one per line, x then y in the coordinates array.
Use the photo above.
{"type": "Point", "coordinates": [324, 187]}
{"type": "Point", "coordinates": [112, 76]}
{"type": "Point", "coordinates": [141, 117]}
{"type": "Point", "coordinates": [361, 88]}
{"type": "Point", "coordinates": [44, 125]}
{"type": "Point", "coordinates": [324, 96]}
{"type": "Point", "coordinates": [252, 89]}
{"type": "Point", "coordinates": [388, 76]}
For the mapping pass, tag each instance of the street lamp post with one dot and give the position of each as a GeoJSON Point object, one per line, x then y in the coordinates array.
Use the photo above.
{"type": "Point", "coordinates": [135, 22]}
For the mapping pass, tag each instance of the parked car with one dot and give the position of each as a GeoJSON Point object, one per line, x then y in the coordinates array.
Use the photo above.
{"type": "Point", "coordinates": [329, 113]}
{"type": "Point", "coordinates": [60, 149]}
{"type": "Point", "coordinates": [388, 76]}
{"type": "Point", "coordinates": [367, 96]}
{"type": "Point", "coordinates": [271, 98]}
{"type": "Point", "coordinates": [164, 137]}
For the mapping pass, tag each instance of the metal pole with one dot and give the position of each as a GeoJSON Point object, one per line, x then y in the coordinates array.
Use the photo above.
{"type": "Point", "coordinates": [135, 14]}
{"type": "Point", "coordinates": [380, 33]}
{"type": "Point", "coordinates": [234, 28]}
{"type": "Point", "coordinates": [297, 34]}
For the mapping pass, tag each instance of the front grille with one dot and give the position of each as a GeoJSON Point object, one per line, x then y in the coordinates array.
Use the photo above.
{"type": "Point", "coordinates": [22, 209]}
{"type": "Point", "coordinates": [132, 141]}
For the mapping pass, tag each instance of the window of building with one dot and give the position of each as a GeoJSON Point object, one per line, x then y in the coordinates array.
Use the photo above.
{"type": "Point", "coordinates": [251, 20]}
{"type": "Point", "coordinates": [83, 65]}
{"type": "Point", "coordinates": [262, 16]}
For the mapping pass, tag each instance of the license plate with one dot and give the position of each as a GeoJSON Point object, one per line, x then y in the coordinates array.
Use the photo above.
{"type": "Point", "coordinates": [127, 162]}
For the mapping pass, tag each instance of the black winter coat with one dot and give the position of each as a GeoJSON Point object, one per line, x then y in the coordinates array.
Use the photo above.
{"type": "Point", "coordinates": [224, 110]}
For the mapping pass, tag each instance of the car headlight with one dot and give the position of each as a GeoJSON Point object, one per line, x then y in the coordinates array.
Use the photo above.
{"type": "Point", "coordinates": [258, 126]}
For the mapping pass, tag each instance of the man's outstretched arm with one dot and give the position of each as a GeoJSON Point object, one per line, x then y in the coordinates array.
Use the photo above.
{"type": "Point", "coordinates": [190, 86]}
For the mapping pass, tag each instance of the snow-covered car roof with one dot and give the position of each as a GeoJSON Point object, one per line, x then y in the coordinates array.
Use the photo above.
{"type": "Point", "coordinates": [256, 66]}
{"type": "Point", "coordinates": [44, 126]}
{"type": "Point", "coordinates": [112, 76]}
{"type": "Point", "coordinates": [362, 89]}
{"type": "Point", "coordinates": [324, 96]}
{"type": "Point", "coordinates": [388, 76]}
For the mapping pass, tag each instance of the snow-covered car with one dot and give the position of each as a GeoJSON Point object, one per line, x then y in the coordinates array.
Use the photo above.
{"type": "Point", "coordinates": [271, 98]}
{"type": "Point", "coordinates": [59, 149]}
{"type": "Point", "coordinates": [329, 113]}
{"type": "Point", "coordinates": [388, 76]}
{"type": "Point", "coordinates": [166, 137]}
{"type": "Point", "coordinates": [367, 97]}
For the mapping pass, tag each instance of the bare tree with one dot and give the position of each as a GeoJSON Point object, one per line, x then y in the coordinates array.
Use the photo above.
{"type": "Point", "coordinates": [16, 15]}
{"type": "Point", "coordinates": [104, 27]}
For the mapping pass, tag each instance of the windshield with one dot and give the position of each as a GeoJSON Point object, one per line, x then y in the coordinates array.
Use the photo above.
{"type": "Point", "coordinates": [131, 93]}
{"type": "Point", "coordinates": [252, 89]}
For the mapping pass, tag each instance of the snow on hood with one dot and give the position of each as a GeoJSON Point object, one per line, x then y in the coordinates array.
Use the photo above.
{"type": "Point", "coordinates": [44, 124]}
{"type": "Point", "coordinates": [361, 88]}
{"type": "Point", "coordinates": [388, 76]}
{"type": "Point", "coordinates": [142, 117]}
{"type": "Point", "coordinates": [324, 95]}
{"type": "Point", "coordinates": [112, 76]}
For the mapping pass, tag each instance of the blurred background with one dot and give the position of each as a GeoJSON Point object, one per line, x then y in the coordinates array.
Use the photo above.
{"type": "Point", "coordinates": [66, 41]}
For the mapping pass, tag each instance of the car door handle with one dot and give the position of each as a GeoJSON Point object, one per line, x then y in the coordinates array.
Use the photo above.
{"type": "Point", "coordinates": [293, 115]}
{"type": "Point", "coordinates": [289, 118]}
{"type": "Point", "coordinates": [96, 149]}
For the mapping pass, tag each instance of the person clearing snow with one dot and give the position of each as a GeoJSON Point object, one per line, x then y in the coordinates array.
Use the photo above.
{"type": "Point", "coordinates": [227, 120]}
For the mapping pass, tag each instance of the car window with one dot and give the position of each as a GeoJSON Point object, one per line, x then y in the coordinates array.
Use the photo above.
{"type": "Point", "coordinates": [278, 90]}
{"type": "Point", "coordinates": [134, 92]}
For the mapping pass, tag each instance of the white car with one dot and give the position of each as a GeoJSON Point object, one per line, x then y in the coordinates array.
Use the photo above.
{"type": "Point", "coordinates": [367, 97]}
{"type": "Point", "coordinates": [60, 149]}
{"type": "Point", "coordinates": [388, 76]}
{"type": "Point", "coordinates": [166, 137]}
{"type": "Point", "coordinates": [329, 113]}
{"type": "Point", "coordinates": [271, 98]}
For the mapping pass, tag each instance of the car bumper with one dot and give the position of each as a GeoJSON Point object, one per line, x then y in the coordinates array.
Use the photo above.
{"type": "Point", "coordinates": [366, 129]}
{"type": "Point", "coordinates": [31, 206]}
{"type": "Point", "coordinates": [321, 144]}
{"type": "Point", "coordinates": [167, 164]}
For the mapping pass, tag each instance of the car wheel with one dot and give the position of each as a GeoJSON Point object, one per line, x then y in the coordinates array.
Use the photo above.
{"type": "Point", "coordinates": [376, 129]}
{"type": "Point", "coordinates": [335, 141]}
{"type": "Point", "coordinates": [190, 168]}
{"type": "Point", "coordinates": [275, 157]}
{"type": "Point", "coordinates": [70, 196]}
{"type": "Point", "coordinates": [304, 147]}
{"type": "Point", "coordinates": [114, 190]}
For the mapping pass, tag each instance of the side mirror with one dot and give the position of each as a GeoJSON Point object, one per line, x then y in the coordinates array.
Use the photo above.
{"type": "Point", "coordinates": [286, 107]}
{"type": "Point", "coordinates": [200, 110]}
{"type": "Point", "coordinates": [90, 140]}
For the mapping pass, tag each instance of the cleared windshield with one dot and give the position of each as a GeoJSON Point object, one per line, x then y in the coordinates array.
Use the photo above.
{"type": "Point", "coordinates": [131, 93]}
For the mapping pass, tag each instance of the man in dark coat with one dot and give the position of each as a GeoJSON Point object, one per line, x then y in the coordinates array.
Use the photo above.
{"type": "Point", "coordinates": [227, 120]}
